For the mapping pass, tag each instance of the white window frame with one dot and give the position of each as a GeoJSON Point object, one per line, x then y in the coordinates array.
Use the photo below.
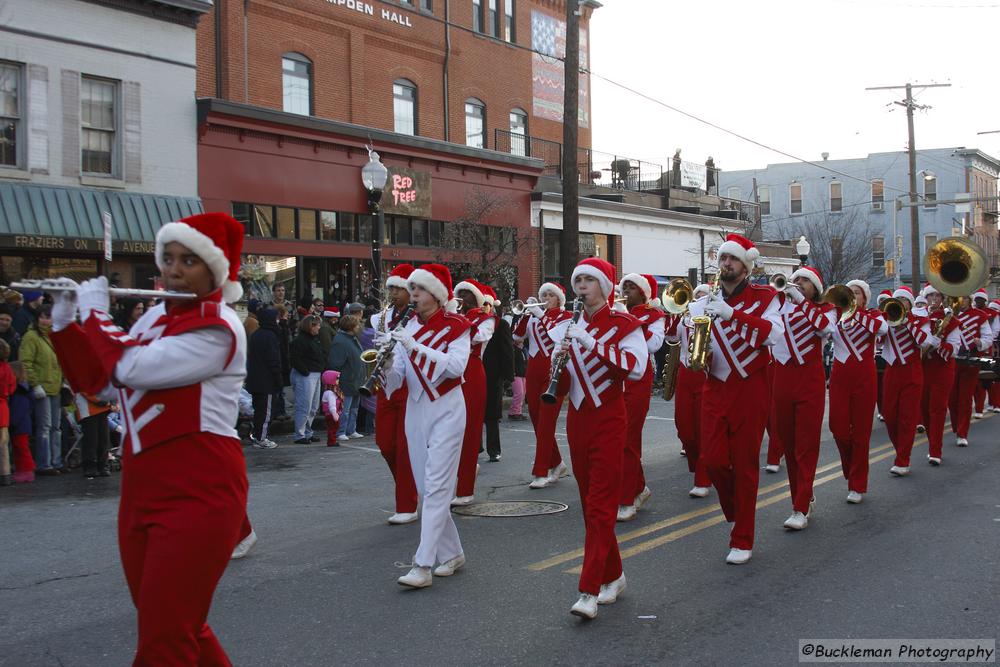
{"type": "Point", "coordinates": [878, 263]}
{"type": "Point", "coordinates": [518, 140]}
{"type": "Point", "coordinates": [930, 194]}
{"type": "Point", "coordinates": [114, 130]}
{"type": "Point", "coordinates": [791, 188]}
{"type": "Point", "coordinates": [839, 200]}
{"type": "Point", "coordinates": [310, 79]}
{"type": "Point", "coordinates": [764, 197]}
{"type": "Point", "coordinates": [477, 103]}
{"type": "Point", "coordinates": [879, 203]}
{"type": "Point", "coordinates": [20, 136]}
{"type": "Point", "coordinates": [928, 244]}
{"type": "Point", "coordinates": [509, 21]}
{"type": "Point", "coordinates": [404, 83]}
{"type": "Point", "coordinates": [478, 19]}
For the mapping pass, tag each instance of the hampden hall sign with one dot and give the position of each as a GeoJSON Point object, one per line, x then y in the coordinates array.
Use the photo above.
{"type": "Point", "coordinates": [399, 18]}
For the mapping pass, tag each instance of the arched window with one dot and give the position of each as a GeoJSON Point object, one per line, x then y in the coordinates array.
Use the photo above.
{"type": "Point", "coordinates": [475, 123]}
{"type": "Point", "coordinates": [296, 83]}
{"type": "Point", "coordinates": [518, 132]}
{"type": "Point", "coordinates": [404, 106]}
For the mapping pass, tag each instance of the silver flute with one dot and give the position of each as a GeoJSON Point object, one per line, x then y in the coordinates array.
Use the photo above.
{"type": "Point", "coordinates": [62, 285]}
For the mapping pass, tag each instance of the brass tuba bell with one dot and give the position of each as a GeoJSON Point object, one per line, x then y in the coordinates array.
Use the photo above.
{"type": "Point", "coordinates": [956, 266]}
{"type": "Point", "coordinates": [894, 311]}
{"type": "Point", "coordinates": [677, 295]}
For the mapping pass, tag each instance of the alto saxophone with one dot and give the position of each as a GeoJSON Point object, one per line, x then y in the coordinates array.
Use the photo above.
{"type": "Point", "coordinates": [700, 345]}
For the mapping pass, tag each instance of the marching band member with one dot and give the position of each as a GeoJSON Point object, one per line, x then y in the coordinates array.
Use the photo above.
{"type": "Point", "coordinates": [390, 405]}
{"type": "Point", "coordinates": [939, 373]}
{"type": "Point", "coordinates": [980, 300]}
{"type": "Point", "coordinates": [976, 338]}
{"type": "Point", "coordinates": [687, 401]}
{"type": "Point", "coordinates": [775, 447]}
{"type": "Point", "coordinates": [799, 397]}
{"type": "Point", "coordinates": [435, 350]}
{"type": "Point", "coordinates": [994, 389]}
{"type": "Point", "coordinates": [639, 290]}
{"type": "Point", "coordinates": [178, 373]}
{"type": "Point", "coordinates": [605, 348]}
{"type": "Point", "coordinates": [736, 401]}
{"type": "Point", "coordinates": [879, 359]}
{"type": "Point", "coordinates": [920, 305]}
{"type": "Point", "coordinates": [545, 324]}
{"type": "Point", "coordinates": [853, 387]}
{"type": "Point", "coordinates": [471, 301]}
{"type": "Point", "coordinates": [902, 350]}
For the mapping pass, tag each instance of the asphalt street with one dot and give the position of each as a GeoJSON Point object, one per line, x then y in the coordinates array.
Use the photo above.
{"type": "Point", "coordinates": [918, 559]}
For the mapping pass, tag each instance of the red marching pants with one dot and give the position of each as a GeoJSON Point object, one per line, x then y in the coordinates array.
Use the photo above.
{"type": "Point", "coordinates": [980, 398]}
{"type": "Point", "coordinates": [543, 415]}
{"type": "Point", "coordinates": [939, 376]}
{"type": "Point", "coordinates": [637, 395]}
{"type": "Point", "coordinates": [474, 392]}
{"type": "Point", "coordinates": [994, 393]}
{"type": "Point", "coordinates": [775, 445]}
{"type": "Point", "coordinates": [596, 446]}
{"type": "Point", "coordinates": [853, 386]}
{"type": "Point", "coordinates": [903, 386]}
{"type": "Point", "coordinates": [960, 403]}
{"type": "Point", "coordinates": [798, 402]}
{"type": "Point", "coordinates": [733, 416]}
{"type": "Point", "coordinates": [182, 505]}
{"type": "Point", "coordinates": [687, 419]}
{"type": "Point", "coordinates": [390, 436]}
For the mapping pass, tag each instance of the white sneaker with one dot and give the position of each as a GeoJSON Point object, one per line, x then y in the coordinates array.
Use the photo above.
{"type": "Point", "coordinates": [880, 417]}
{"type": "Point", "coordinates": [357, 435]}
{"type": "Point", "coordinates": [962, 442]}
{"type": "Point", "coordinates": [585, 607]}
{"type": "Point", "coordinates": [266, 443]}
{"type": "Point", "coordinates": [610, 592]}
{"type": "Point", "coordinates": [559, 471]}
{"type": "Point", "coordinates": [462, 500]}
{"type": "Point", "coordinates": [540, 483]}
{"type": "Point", "coordinates": [684, 452]}
{"type": "Point", "coordinates": [698, 492]}
{"type": "Point", "coordinates": [738, 556]}
{"type": "Point", "coordinates": [772, 468]}
{"type": "Point", "coordinates": [854, 497]}
{"type": "Point", "coordinates": [933, 460]}
{"type": "Point", "coordinates": [626, 512]}
{"type": "Point", "coordinates": [921, 428]}
{"type": "Point", "coordinates": [797, 521]}
{"type": "Point", "coordinates": [899, 471]}
{"type": "Point", "coordinates": [399, 518]}
{"type": "Point", "coordinates": [417, 577]}
{"type": "Point", "coordinates": [977, 415]}
{"type": "Point", "coordinates": [343, 438]}
{"type": "Point", "coordinates": [642, 498]}
{"type": "Point", "coordinates": [995, 408]}
{"type": "Point", "coordinates": [245, 545]}
{"type": "Point", "coordinates": [449, 567]}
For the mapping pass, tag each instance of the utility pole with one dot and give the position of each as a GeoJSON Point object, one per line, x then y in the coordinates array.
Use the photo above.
{"type": "Point", "coordinates": [569, 240]}
{"type": "Point", "coordinates": [914, 216]}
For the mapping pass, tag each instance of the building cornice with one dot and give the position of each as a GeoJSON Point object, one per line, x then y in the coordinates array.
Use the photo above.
{"type": "Point", "coordinates": [183, 12]}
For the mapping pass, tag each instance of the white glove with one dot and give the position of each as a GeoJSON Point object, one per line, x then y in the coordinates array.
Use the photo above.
{"type": "Point", "coordinates": [382, 338]}
{"type": "Point", "coordinates": [717, 307]}
{"type": "Point", "coordinates": [535, 311]}
{"type": "Point", "coordinates": [579, 333]}
{"type": "Point", "coordinates": [92, 296]}
{"type": "Point", "coordinates": [795, 294]}
{"type": "Point", "coordinates": [404, 338]}
{"type": "Point", "coordinates": [38, 392]}
{"type": "Point", "coordinates": [63, 310]}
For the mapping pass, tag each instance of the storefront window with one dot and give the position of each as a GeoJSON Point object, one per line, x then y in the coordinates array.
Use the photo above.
{"type": "Point", "coordinates": [365, 231]}
{"type": "Point", "coordinates": [259, 273]}
{"type": "Point", "coordinates": [419, 229]}
{"type": "Point", "coordinates": [241, 213]}
{"type": "Point", "coordinates": [307, 224]}
{"type": "Point", "coordinates": [401, 231]}
{"type": "Point", "coordinates": [348, 227]}
{"type": "Point", "coordinates": [328, 225]}
{"type": "Point", "coordinates": [40, 267]}
{"type": "Point", "coordinates": [263, 221]}
{"type": "Point", "coordinates": [434, 230]}
{"type": "Point", "coordinates": [286, 223]}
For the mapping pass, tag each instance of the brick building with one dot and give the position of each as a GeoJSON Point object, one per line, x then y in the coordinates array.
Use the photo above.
{"type": "Point", "coordinates": [291, 91]}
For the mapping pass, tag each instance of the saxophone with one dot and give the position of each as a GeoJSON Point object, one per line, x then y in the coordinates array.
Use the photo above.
{"type": "Point", "coordinates": [700, 345]}
{"type": "Point", "coordinates": [670, 366]}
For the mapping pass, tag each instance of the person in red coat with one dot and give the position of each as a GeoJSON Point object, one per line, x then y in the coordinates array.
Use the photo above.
{"type": "Point", "coordinates": [939, 372]}
{"type": "Point", "coordinates": [976, 338]}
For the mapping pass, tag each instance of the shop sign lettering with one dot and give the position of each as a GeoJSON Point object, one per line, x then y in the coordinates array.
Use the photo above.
{"type": "Point", "coordinates": [38, 242]}
{"type": "Point", "coordinates": [368, 9]}
{"type": "Point", "coordinates": [407, 192]}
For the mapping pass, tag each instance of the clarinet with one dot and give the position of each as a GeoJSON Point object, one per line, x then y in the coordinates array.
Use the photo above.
{"type": "Point", "coordinates": [373, 383]}
{"type": "Point", "coordinates": [560, 363]}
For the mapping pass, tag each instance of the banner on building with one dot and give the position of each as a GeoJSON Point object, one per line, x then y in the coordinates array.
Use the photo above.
{"type": "Point", "coordinates": [407, 192]}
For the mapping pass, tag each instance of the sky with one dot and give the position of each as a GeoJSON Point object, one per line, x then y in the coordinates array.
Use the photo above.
{"type": "Point", "coordinates": [792, 76]}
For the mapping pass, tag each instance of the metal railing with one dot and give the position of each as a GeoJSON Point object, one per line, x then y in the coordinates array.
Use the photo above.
{"type": "Point", "coordinates": [747, 211]}
{"type": "Point", "coordinates": [549, 152]}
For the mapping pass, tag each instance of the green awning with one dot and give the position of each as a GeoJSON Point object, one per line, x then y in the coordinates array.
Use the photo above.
{"type": "Point", "coordinates": [47, 210]}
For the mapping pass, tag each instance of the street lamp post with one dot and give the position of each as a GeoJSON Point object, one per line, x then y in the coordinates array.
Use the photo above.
{"type": "Point", "coordinates": [373, 176]}
{"type": "Point", "coordinates": [802, 247]}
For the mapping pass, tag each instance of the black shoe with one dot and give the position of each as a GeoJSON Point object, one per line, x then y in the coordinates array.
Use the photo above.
{"type": "Point", "coordinates": [90, 473]}
{"type": "Point", "coordinates": [494, 458]}
{"type": "Point", "coordinates": [313, 438]}
{"type": "Point", "coordinates": [47, 472]}
{"type": "Point", "coordinates": [302, 441]}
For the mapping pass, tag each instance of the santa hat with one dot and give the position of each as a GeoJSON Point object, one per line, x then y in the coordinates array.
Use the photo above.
{"type": "Point", "coordinates": [435, 278]}
{"type": "Point", "coordinates": [929, 289]}
{"type": "Point", "coordinates": [981, 294]}
{"type": "Point", "coordinates": [217, 239]}
{"type": "Point", "coordinates": [702, 289]}
{"type": "Point", "coordinates": [882, 296]}
{"type": "Point", "coordinates": [491, 296]}
{"type": "Point", "coordinates": [865, 289]}
{"type": "Point", "coordinates": [921, 300]}
{"type": "Point", "coordinates": [330, 377]}
{"type": "Point", "coordinates": [598, 269]}
{"type": "Point", "coordinates": [556, 289]}
{"type": "Point", "coordinates": [331, 312]}
{"type": "Point", "coordinates": [475, 287]}
{"type": "Point", "coordinates": [904, 292]}
{"type": "Point", "coordinates": [398, 276]}
{"type": "Point", "coordinates": [812, 275]}
{"type": "Point", "coordinates": [925, 288]}
{"type": "Point", "coordinates": [639, 281]}
{"type": "Point", "coordinates": [994, 305]}
{"type": "Point", "coordinates": [741, 248]}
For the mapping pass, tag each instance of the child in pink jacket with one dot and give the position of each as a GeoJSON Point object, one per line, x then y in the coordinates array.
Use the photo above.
{"type": "Point", "coordinates": [333, 403]}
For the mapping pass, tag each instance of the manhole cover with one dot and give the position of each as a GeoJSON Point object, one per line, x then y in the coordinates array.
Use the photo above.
{"type": "Point", "coordinates": [512, 508]}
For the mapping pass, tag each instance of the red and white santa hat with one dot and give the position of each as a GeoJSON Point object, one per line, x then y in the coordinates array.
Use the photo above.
{"type": "Point", "coordinates": [475, 287]}
{"type": "Point", "coordinates": [921, 300]}
{"type": "Point", "coordinates": [331, 312]}
{"type": "Point", "coordinates": [923, 290]}
{"type": "Point", "coordinates": [645, 282]}
{"type": "Point", "coordinates": [904, 292]}
{"type": "Point", "coordinates": [435, 278]}
{"type": "Point", "coordinates": [994, 305]}
{"type": "Point", "coordinates": [929, 289]}
{"type": "Point", "coordinates": [882, 296]}
{"type": "Point", "coordinates": [742, 249]}
{"type": "Point", "coordinates": [865, 289]}
{"type": "Point", "coordinates": [812, 275]}
{"type": "Point", "coordinates": [554, 288]}
{"type": "Point", "coordinates": [703, 290]}
{"type": "Point", "coordinates": [981, 294]}
{"type": "Point", "coordinates": [399, 275]}
{"type": "Point", "coordinates": [598, 269]}
{"type": "Point", "coordinates": [491, 295]}
{"type": "Point", "coordinates": [217, 239]}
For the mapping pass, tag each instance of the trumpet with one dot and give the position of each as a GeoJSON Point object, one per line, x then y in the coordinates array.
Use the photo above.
{"type": "Point", "coordinates": [67, 285]}
{"type": "Point", "coordinates": [676, 296]}
{"type": "Point", "coordinates": [376, 359]}
{"type": "Point", "coordinates": [895, 311]}
{"type": "Point", "coordinates": [517, 307]}
{"type": "Point", "coordinates": [778, 281]}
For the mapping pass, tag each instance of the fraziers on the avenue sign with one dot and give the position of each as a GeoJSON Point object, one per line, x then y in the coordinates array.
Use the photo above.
{"type": "Point", "coordinates": [407, 192]}
{"type": "Point", "coordinates": [399, 18]}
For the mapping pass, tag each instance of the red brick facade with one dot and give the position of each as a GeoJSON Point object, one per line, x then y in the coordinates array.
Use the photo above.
{"type": "Point", "coordinates": [356, 57]}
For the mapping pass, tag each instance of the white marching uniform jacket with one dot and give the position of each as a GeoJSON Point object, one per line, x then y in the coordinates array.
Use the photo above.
{"type": "Point", "coordinates": [806, 327]}
{"type": "Point", "coordinates": [973, 325]}
{"type": "Point", "coordinates": [905, 344]}
{"type": "Point", "coordinates": [856, 337]}
{"type": "Point", "coordinates": [540, 331]}
{"type": "Point", "coordinates": [435, 366]}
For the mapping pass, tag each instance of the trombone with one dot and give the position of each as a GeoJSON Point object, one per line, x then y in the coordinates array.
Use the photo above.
{"type": "Point", "coordinates": [842, 299]}
{"type": "Point", "coordinates": [894, 311]}
{"type": "Point", "coordinates": [56, 285]}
